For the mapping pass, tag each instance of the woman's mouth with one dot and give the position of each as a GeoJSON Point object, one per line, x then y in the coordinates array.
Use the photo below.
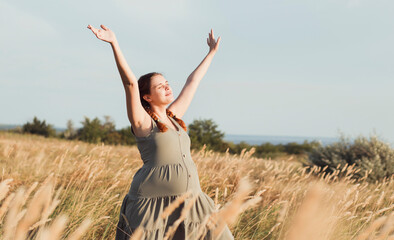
{"type": "Point", "coordinates": [168, 93]}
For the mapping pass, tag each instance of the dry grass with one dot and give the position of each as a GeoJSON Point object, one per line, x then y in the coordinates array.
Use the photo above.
{"type": "Point", "coordinates": [81, 187]}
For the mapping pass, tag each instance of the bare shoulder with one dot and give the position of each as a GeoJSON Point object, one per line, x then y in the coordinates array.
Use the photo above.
{"type": "Point", "coordinates": [144, 128]}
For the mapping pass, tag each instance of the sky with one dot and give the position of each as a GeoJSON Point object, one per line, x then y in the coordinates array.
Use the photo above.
{"type": "Point", "coordinates": [283, 68]}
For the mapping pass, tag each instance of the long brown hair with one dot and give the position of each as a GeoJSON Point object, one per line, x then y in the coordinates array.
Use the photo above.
{"type": "Point", "coordinates": [144, 84]}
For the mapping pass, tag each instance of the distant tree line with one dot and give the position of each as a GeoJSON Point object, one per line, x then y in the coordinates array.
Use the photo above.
{"type": "Point", "coordinates": [205, 132]}
{"type": "Point", "coordinates": [202, 132]}
{"type": "Point", "coordinates": [92, 131]}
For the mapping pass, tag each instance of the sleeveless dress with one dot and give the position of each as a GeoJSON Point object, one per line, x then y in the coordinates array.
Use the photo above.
{"type": "Point", "coordinates": [168, 171]}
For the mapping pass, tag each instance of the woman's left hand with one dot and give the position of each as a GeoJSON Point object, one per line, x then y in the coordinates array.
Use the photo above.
{"type": "Point", "coordinates": [213, 45]}
{"type": "Point", "coordinates": [104, 34]}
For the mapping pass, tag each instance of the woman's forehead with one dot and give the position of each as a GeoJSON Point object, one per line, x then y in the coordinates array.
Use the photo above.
{"type": "Point", "coordinates": [156, 81]}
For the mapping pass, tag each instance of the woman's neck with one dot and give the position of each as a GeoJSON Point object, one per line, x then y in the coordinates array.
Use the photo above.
{"type": "Point", "coordinates": [160, 111]}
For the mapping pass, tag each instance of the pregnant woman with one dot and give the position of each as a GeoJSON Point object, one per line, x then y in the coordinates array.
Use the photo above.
{"type": "Point", "coordinates": [168, 170]}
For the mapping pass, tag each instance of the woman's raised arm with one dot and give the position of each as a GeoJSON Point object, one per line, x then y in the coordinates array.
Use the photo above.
{"type": "Point", "coordinates": [138, 117]}
{"type": "Point", "coordinates": [182, 102]}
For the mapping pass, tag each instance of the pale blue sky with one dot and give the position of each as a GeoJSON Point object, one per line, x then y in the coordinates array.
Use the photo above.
{"type": "Point", "coordinates": [293, 68]}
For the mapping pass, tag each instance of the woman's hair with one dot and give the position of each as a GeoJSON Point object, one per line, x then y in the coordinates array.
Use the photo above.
{"type": "Point", "coordinates": [144, 84]}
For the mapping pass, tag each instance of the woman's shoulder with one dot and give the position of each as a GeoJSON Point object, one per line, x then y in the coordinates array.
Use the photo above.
{"type": "Point", "coordinates": [147, 134]}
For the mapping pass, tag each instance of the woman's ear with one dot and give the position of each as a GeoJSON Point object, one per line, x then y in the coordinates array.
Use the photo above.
{"type": "Point", "coordinates": [147, 98]}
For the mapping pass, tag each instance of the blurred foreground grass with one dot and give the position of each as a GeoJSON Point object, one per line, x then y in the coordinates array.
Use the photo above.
{"type": "Point", "coordinates": [296, 202]}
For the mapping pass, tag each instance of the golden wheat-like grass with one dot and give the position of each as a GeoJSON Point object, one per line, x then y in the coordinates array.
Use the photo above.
{"type": "Point", "coordinates": [22, 223]}
{"type": "Point", "coordinates": [70, 181]}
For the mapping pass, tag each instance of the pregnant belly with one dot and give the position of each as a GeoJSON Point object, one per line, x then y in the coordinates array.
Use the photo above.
{"type": "Point", "coordinates": [160, 181]}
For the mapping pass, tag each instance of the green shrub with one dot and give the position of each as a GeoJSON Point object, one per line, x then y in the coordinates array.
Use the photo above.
{"type": "Point", "coordinates": [269, 150]}
{"type": "Point", "coordinates": [295, 148]}
{"type": "Point", "coordinates": [237, 148]}
{"type": "Point", "coordinates": [365, 154]}
{"type": "Point", "coordinates": [127, 138]}
{"type": "Point", "coordinates": [39, 127]}
{"type": "Point", "coordinates": [92, 131]}
{"type": "Point", "coordinates": [205, 132]}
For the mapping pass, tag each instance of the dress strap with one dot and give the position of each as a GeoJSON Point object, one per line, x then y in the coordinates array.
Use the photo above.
{"type": "Point", "coordinates": [176, 124]}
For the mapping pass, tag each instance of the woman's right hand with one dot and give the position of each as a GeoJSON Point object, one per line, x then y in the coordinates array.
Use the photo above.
{"type": "Point", "coordinates": [104, 34]}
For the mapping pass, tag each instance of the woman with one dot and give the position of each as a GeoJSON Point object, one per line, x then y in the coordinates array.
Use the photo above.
{"type": "Point", "coordinates": [168, 170]}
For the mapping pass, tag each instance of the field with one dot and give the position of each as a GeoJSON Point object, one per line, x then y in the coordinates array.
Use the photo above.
{"type": "Point", "coordinates": [84, 185]}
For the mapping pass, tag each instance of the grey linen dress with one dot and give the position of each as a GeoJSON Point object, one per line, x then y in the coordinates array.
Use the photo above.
{"type": "Point", "coordinates": [168, 172]}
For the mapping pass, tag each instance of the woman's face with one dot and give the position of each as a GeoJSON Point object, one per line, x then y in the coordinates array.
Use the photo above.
{"type": "Point", "coordinates": [160, 91]}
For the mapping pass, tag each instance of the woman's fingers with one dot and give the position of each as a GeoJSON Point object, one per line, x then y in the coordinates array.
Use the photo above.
{"type": "Point", "coordinates": [212, 43]}
{"type": "Point", "coordinates": [91, 27]}
{"type": "Point", "coordinates": [97, 31]}
{"type": "Point", "coordinates": [94, 30]}
{"type": "Point", "coordinates": [218, 41]}
{"type": "Point", "coordinates": [103, 33]}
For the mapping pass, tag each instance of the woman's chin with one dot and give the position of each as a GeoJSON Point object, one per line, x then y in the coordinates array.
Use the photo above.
{"type": "Point", "coordinates": [170, 98]}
